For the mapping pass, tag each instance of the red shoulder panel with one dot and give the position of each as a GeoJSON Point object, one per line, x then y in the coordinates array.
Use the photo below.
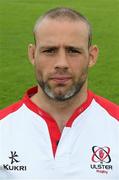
{"type": "Point", "coordinates": [10, 109]}
{"type": "Point", "coordinates": [110, 107]}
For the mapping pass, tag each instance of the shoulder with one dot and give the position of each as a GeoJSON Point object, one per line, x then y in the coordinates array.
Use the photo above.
{"type": "Point", "coordinates": [110, 107]}
{"type": "Point", "coordinates": [10, 109]}
{"type": "Point", "coordinates": [14, 107]}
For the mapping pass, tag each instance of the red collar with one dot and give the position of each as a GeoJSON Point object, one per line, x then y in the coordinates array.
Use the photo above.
{"type": "Point", "coordinates": [53, 128]}
{"type": "Point", "coordinates": [45, 115]}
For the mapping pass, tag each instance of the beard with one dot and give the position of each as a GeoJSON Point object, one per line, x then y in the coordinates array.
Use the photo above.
{"type": "Point", "coordinates": [60, 96]}
{"type": "Point", "coordinates": [70, 92]}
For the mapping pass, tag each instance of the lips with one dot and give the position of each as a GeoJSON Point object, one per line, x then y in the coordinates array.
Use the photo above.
{"type": "Point", "coordinates": [60, 79]}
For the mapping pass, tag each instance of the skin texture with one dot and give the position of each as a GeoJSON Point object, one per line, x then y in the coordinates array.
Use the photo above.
{"type": "Point", "coordinates": [61, 59]}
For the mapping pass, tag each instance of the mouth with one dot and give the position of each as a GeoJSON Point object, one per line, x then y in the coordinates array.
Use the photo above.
{"type": "Point", "coordinates": [60, 79]}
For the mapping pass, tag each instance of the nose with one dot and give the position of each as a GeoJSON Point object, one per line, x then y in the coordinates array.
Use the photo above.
{"type": "Point", "coordinates": [61, 61]}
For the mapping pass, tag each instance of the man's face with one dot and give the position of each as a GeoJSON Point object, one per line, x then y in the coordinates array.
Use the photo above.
{"type": "Point", "coordinates": [61, 58]}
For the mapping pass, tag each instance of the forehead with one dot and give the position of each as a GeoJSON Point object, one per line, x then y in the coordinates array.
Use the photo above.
{"type": "Point", "coordinates": [61, 31]}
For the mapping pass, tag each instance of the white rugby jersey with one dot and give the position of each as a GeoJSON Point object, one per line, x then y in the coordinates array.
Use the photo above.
{"type": "Point", "coordinates": [32, 146]}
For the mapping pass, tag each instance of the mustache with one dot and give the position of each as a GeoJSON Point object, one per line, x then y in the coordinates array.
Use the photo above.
{"type": "Point", "coordinates": [60, 72]}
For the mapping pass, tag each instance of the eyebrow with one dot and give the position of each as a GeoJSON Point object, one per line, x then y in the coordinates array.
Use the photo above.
{"type": "Point", "coordinates": [74, 47]}
{"type": "Point", "coordinates": [47, 46]}
{"type": "Point", "coordinates": [56, 47]}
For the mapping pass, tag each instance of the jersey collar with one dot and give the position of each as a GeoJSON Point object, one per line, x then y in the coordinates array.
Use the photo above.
{"type": "Point", "coordinates": [32, 106]}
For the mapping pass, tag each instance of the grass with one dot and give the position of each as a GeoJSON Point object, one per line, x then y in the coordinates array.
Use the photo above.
{"type": "Point", "coordinates": [17, 18]}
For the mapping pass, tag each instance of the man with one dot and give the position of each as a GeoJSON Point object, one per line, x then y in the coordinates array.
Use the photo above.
{"type": "Point", "coordinates": [60, 130]}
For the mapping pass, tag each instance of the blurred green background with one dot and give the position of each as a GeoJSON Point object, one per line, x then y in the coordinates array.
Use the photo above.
{"type": "Point", "coordinates": [17, 18]}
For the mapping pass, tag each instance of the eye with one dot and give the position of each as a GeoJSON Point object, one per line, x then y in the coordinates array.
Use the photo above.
{"type": "Point", "coordinates": [73, 51]}
{"type": "Point", "coordinates": [49, 51]}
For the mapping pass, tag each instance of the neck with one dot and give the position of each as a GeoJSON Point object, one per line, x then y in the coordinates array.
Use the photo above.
{"type": "Point", "coordinates": [60, 108]}
{"type": "Point", "coordinates": [43, 101]}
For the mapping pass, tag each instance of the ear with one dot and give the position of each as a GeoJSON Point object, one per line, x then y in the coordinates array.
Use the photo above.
{"type": "Point", "coordinates": [31, 53]}
{"type": "Point", "coordinates": [93, 54]}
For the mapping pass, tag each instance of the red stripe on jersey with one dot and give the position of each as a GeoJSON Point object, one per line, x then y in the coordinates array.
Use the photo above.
{"type": "Point", "coordinates": [109, 106]}
{"type": "Point", "coordinates": [10, 109]}
{"type": "Point", "coordinates": [53, 128]}
{"type": "Point", "coordinates": [80, 109]}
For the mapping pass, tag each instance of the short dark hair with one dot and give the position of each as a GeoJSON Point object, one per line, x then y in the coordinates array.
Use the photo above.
{"type": "Point", "coordinates": [62, 13]}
